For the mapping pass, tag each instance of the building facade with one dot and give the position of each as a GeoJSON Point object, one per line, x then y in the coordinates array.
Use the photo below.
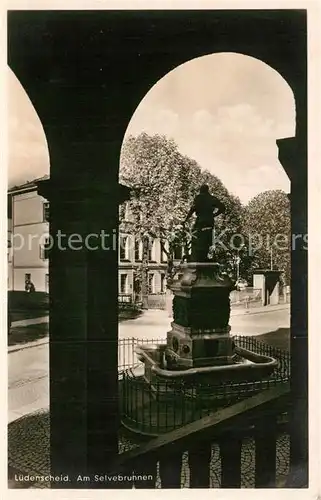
{"type": "Point", "coordinates": [28, 233]}
{"type": "Point", "coordinates": [28, 238]}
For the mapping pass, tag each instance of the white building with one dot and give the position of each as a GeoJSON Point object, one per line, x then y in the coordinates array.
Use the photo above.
{"type": "Point", "coordinates": [28, 230]}
{"type": "Point", "coordinates": [28, 226]}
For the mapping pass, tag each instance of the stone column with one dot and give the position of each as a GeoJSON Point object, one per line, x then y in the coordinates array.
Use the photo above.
{"type": "Point", "coordinates": [83, 328]}
{"type": "Point", "coordinates": [293, 156]}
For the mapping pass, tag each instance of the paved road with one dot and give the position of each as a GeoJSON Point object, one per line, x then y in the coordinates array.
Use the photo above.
{"type": "Point", "coordinates": [155, 324]}
{"type": "Point", "coordinates": [261, 322]}
{"type": "Point", "coordinates": [28, 368]}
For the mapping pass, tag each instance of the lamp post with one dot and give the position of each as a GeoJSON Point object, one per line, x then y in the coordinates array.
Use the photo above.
{"type": "Point", "coordinates": [237, 260]}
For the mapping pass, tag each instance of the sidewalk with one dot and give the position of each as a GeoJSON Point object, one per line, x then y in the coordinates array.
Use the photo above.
{"type": "Point", "coordinates": [258, 310]}
{"type": "Point", "coordinates": [30, 321]}
{"type": "Point", "coordinates": [150, 319]}
{"type": "Point", "coordinates": [28, 333]}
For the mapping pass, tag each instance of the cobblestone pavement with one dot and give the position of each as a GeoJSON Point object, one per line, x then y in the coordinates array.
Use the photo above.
{"type": "Point", "coordinates": [28, 444]}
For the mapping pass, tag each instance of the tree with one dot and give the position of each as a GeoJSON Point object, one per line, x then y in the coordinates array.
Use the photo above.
{"type": "Point", "coordinates": [164, 183]}
{"type": "Point", "coordinates": [162, 187]}
{"type": "Point", "coordinates": [229, 226]}
{"type": "Point", "coordinates": [267, 223]}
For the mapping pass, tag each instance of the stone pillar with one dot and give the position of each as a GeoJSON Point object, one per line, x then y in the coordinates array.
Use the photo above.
{"type": "Point", "coordinates": [83, 328]}
{"type": "Point", "coordinates": [293, 156]}
{"type": "Point", "coordinates": [200, 334]}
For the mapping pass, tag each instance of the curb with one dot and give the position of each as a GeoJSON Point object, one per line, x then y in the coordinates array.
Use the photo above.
{"type": "Point", "coordinates": [261, 311]}
{"type": "Point", "coordinates": [27, 345]}
{"type": "Point", "coordinates": [30, 321]}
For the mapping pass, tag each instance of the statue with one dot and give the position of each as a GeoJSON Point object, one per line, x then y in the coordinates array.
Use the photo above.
{"type": "Point", "coordinates": [206, 207]}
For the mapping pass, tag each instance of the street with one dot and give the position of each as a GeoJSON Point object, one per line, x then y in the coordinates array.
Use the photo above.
{"type": "Point", "coordinates": [28, 368]}
{"type": "Point", "coordinates": [28, 381]}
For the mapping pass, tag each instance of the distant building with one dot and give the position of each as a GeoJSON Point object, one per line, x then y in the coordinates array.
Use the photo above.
{"type": "Point", "coordinates": [28, 225]}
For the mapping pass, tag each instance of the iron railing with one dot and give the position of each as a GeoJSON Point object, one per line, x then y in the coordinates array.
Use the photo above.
{"type": "Point", "coordinates": [213, 450]}
{"type": "Point", "coordinates": [127, 357]}
{"type": "Point", "coordinates": [158, 407]}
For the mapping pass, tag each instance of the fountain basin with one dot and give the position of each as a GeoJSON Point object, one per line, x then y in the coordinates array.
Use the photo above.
{"type": "Point", "coordinates": [245, 365]}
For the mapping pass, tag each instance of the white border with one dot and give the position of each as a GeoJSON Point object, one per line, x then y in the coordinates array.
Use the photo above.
{"type": "Point", "coordinates": [314, 186]}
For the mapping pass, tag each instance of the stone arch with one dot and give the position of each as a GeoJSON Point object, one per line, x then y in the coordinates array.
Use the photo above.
{"type": "Point", "coordinates": [169, 87]}
{"type": "Point", "coordinates": [75, 82]}
{"type": "Point", "coordinates": [27, 142]}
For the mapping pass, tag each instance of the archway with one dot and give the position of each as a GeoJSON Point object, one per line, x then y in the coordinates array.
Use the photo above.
{"type": "Point", "coordinates": [85, 94]}
{"type": "Point", "coordinates": [225, 112]}
{"type": "Point", "coordinates": [28, 161]}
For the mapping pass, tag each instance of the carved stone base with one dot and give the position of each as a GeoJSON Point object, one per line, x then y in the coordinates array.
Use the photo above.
{"type": "Point", "coordinates": [187, 349]}
{"type": "Point", "coordinates": [200, 334]}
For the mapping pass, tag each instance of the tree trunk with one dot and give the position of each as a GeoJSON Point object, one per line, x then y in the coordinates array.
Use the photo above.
{"type": "Point", "coordinates": [144, 273]}
{"type": "Point", "coordinates": [170, 262]}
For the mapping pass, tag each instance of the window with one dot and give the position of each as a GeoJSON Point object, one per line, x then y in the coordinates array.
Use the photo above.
{"type": "Point", "coordinates": [46, 211]}
{"type": "Point", "coordinates": [123, 283]}
{"type": "Point", "coordinates": [177, 254]}
{"type": "Point", "coordinates": [151, 283]}
{"type": "Point", "coordinates": [163, 254]}
{"type": "Point", "coordinates": [151, 251]}
{"type": "Point", "coordinates": [138, 250]}
{"type": "Point", "coordinates": [162, 283]}
{"type": "Point", "coordinates": [44, 249]}
{"type": "Point", "coordinates": [123, 247]}
{"type": "Point", "coordinates": [127, 212]}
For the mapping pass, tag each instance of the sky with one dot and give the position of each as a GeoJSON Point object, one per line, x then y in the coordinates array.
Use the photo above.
{"type": "Point", "coordinates": [223, 110]}
{"type": "Point", "coordinates": [28, 156]}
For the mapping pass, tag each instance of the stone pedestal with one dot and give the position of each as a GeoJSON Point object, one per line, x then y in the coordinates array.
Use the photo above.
{"type": "Point", "coordinates": [200, 334]}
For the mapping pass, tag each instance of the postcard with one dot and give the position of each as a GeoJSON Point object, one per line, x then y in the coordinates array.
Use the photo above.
{"type": "Point", "coordinates": [157, 249]}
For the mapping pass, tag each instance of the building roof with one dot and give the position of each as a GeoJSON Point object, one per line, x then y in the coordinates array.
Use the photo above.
{"type": "Point", "coordinates": [27, 185]}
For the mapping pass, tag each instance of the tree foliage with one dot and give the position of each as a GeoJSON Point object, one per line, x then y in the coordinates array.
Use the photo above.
{"type": "Point", "coordinates": [164, 183]}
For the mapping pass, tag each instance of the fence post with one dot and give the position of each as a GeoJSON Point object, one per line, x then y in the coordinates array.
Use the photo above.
{"type": "Point", "coordinates": [199, 460]}
{"type": "Point", "coordinates": [230, 449]}
{"type": "Point", "coordinates": [265, 452]}
{"type": "Point", "coordinates": [170, 470]}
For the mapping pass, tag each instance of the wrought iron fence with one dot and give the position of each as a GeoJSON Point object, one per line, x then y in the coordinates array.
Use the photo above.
{"type": "Point", "coordinates": [125, 298]}
{"type": "Point", "coordinates": [282, 371]}
{"type": "Point", "coordinates": [127, 357]}
{"type": "Point", "coordinates": [161, 406]}
{"type": "Point", "coordinates": [157, 301]}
